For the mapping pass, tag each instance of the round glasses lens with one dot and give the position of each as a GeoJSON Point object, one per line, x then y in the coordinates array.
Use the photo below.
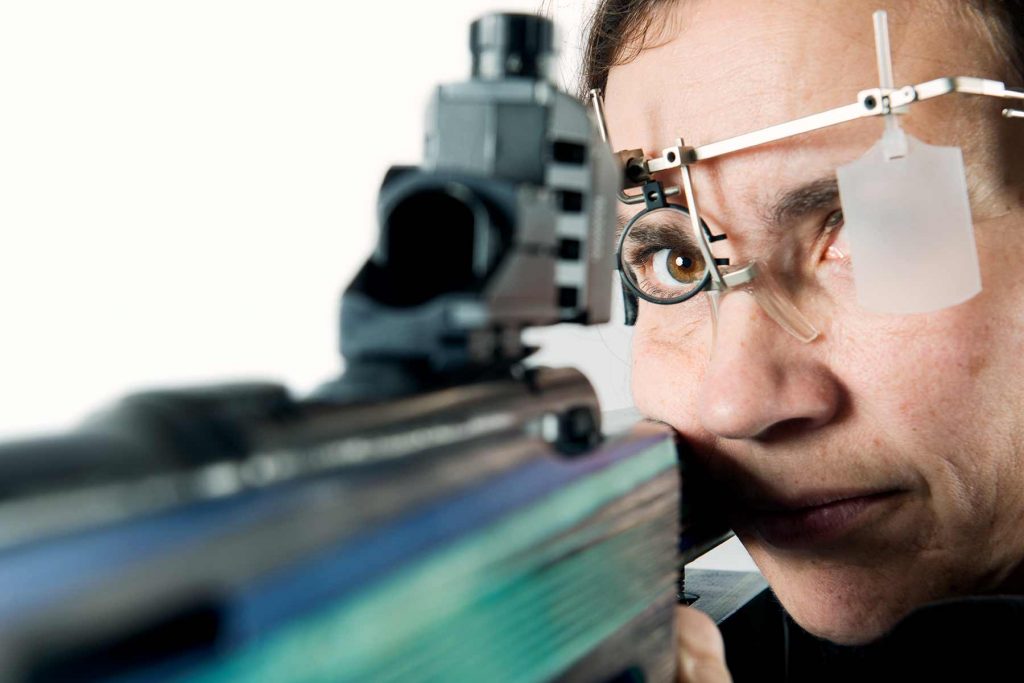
{"type": "Point", "coordinates": [659, 255]}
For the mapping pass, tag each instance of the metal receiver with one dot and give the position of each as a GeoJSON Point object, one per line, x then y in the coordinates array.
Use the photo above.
{"type": "Point", "coordinates": [507, 224]}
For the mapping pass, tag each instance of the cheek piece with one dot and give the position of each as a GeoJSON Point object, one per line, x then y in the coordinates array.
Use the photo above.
{"type": "Point", "coordinates": [904, 205]}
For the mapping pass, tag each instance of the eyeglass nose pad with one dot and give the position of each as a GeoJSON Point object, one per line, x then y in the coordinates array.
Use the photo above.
{"type": "Point", "coordinates": [759, 282]}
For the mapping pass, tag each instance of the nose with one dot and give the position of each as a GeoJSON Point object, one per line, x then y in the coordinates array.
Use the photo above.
{"type": "Point", "coordinates": [762, 382]}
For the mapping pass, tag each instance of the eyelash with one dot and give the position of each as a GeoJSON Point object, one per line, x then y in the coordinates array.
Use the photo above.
{"type": "Point", "coordinates": [827, 228]}
{"type": "Point", "coordinates": [640, 258]}
{"type": "Point", "coordinates": [834, 222]}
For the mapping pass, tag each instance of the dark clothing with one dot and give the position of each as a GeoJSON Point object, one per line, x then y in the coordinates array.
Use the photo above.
{"type": "Point", "coordinates": [969, 639]}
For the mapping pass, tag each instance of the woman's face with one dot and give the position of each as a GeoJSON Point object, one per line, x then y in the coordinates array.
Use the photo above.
{"type": "Point", "coordinates": [878, 467]}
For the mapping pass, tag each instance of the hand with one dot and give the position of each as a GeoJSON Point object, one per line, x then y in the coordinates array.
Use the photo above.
{"type": "Point", "coordinates": [700, 648]}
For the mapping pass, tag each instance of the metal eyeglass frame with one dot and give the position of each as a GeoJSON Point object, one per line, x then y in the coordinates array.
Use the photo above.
{"type": "Point", "coordinates": [882, 101]}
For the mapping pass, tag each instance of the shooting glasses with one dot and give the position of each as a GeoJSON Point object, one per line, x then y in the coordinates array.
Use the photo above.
{"type": "Point", "coordinates": [904, 205]}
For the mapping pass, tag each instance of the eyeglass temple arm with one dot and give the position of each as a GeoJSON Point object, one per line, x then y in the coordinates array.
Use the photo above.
{"type": "Point", "coordinates": [871, 102]}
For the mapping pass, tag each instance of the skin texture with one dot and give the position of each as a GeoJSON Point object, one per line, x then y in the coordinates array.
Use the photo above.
{"type": "Point", "coordinates": [928, 406]}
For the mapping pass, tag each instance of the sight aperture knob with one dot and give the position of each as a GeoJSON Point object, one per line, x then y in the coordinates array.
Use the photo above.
{"type": "Point", "coordinates": [512, 46]}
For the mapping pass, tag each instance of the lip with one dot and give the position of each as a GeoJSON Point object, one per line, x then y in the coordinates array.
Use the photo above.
{"type": "Point", "coordinates": [817, 520]}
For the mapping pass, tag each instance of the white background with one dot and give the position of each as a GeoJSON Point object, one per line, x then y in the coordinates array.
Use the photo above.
{"type": "Point", "coordinates": [186, 187]}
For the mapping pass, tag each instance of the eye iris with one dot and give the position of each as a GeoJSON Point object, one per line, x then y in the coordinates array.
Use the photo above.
{"type": "Point", "coordinates": [680, 266]}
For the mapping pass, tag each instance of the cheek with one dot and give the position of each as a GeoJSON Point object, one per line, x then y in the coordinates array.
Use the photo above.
{"type": "Point", "coordinates": [669, 360]}
{"type": "Point", "coordinates": [950, 375]}
{"type": "Point", "coordinates": [931, 375]}
{"type": "Point", "coordinates": [935, 391]}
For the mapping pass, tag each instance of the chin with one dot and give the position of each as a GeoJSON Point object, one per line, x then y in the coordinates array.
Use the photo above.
{"type": "Point", "coordinates": [845, 604]}
{"type": "Point", "coordinates": [840, 622]}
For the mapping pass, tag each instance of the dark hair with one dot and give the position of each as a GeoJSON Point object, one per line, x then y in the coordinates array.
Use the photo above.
{"type": "Point", "coordinates": [1006, 20]}
{"type": "Point", "coordinates": [619, 29]}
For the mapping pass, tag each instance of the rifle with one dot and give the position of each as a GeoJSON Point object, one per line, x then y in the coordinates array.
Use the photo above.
{"type": "Point", "coordinates": [439, 511]}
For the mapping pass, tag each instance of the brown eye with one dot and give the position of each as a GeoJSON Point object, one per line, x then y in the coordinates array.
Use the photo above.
{"type": "Point", "coordinates": [660, 256]}
{"type": "Point", "coordinates": [673, 267]}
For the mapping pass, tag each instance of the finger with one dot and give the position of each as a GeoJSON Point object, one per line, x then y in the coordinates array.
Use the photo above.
{"type": "Point", "coordinates": [700, 647]}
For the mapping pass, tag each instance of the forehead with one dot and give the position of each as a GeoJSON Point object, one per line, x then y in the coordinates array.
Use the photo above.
{"type": "Point", "coordinates": [717, 68]}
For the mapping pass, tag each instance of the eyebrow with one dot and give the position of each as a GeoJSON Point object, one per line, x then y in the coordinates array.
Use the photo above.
{"type": "Point", "coordinates": [655, 233]}
{"type": "Point", "coordinates": [803, 201]}
{"type": "Point", "coordinates": [789, 207]}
